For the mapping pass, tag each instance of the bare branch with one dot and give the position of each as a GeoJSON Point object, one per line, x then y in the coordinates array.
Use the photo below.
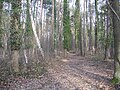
{"type": "Point", "coordinates": [113, 10]}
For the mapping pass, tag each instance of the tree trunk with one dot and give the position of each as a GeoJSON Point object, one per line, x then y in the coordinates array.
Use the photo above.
{"type": "Point", "coordinates": [106, 33]}
{"type": "Point", "coordinates": [80, 37]}
{"type": "Point", "coordinates": [52, 32]}
{"type": "Point", "coordinates": [90, 30]}
{"type": "Point", "coordinates": [15, 36]}
{"type": "Point", "coordinates": [55, 30]}
{"type": "Point", "coordinates": [41, 12]}
{"type": "Point", "coordinates": [96, 27]}
{"type": "Point", "coordinates": [15, 60]}
{"type": "Point", "coordinates": [78, 28]}
{"type": "Point", "coordinates": [116, 33]}
{"type": "Point", "coordinates": [86, 15]}
{"type": "Point", "coordinates": [84, 32]}
{"type": "Point", "coordinates": [1, 6]}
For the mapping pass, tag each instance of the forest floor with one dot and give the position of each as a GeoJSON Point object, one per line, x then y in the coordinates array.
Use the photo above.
{"type": "Point", "coordinates": [82, 73]}
{"type": "Point", "coordinates": [71, 73]}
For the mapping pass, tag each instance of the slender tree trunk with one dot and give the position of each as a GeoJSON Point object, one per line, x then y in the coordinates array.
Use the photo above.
{"type": "Point", "coordinates": [90, 30]}
{"type": "Point", "coordinates": [96, 27]}
{"type": "Point", "coordinates": [52, 32]}
{"type": "Point", "coordinates": [86, 14]}
{"type": "Point", "coordinates": [55, 28]}
{"type": "Point", "coordinates": [111, 49]}
{"type": "Point", "coordinates": [58, 27]}
{"type": "Point", "coordinates": [84, 32]}
{"type": "Point", "coordinates": [25, 59]}
{"type": "Point", "coordinates": [1, 6]}
{"type": "Point", "coordinates": [47, 39]}
{"type": "Point", "coordinates": [41, 7]}
{"type": "Point", "coordinates": [80, 37]}
{"type": "Point", "coordinates": [61, 32]}
{"type": "Point", "coordinates": [106, 34]}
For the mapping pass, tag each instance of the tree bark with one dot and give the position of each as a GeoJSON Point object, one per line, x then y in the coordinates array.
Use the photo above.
{"type": "Point", "coordinates": [84, 32]}
{"type": "Point", "coordinates": [15, 35]}
{"type": "Point", "coordinates": [52, 32]}
{"type": "Point", "coordinates": [106, 33]}
{"type": "Point", "coordinates": [1, 6]}
{"type": "Point", "coordinates": [116, 33]}
{"type": "Point", "coordinates": [41, 7]}
{"type": "Point", "coordinates": [90, 30]}
{"type": "Point", "coordinates": [96, 27]}
{"type": "Point", "coordinates": [15, 62]}
{"type": "Point", "coordinates": [80, 37]}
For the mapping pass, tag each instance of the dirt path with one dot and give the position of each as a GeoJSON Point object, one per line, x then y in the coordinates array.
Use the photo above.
{"type": "Point", "coordinates": [72, 73]}
{"type": "Point", "coordinates": [78, 73]}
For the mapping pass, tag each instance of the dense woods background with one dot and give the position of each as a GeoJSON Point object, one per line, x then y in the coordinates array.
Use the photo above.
{"type": "Point", "coordinates": [34, 32]}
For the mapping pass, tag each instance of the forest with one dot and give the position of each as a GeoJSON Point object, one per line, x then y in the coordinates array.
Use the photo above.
{"type": "Point", "coordinates": [59, 44]}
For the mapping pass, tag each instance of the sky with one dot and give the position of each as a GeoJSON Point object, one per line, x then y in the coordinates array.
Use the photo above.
{"type": "Point", "coordinates": [81, 2]}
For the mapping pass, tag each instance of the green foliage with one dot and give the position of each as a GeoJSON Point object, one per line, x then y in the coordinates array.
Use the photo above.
{"type": "Point", "coordinates": [28, 46]}
{"type": "Point", "coordinates": [15, 40]}
{"type": "Point", "coordinates": [1, 1]}
{"type": "Point", "coordinates": [66, 27]}
{"type": "Point", "coordinates": [15, 29]}
{"type": "Point", "coordinates": [115, 80]}
{"type": "Point", "coordinates": [16, 7]}
{"type": "Point", "coordinates": [29, 31]}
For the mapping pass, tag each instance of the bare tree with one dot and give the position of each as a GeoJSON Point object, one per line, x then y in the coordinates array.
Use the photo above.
{"type": "Point", "coordinates": [34, 31]}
